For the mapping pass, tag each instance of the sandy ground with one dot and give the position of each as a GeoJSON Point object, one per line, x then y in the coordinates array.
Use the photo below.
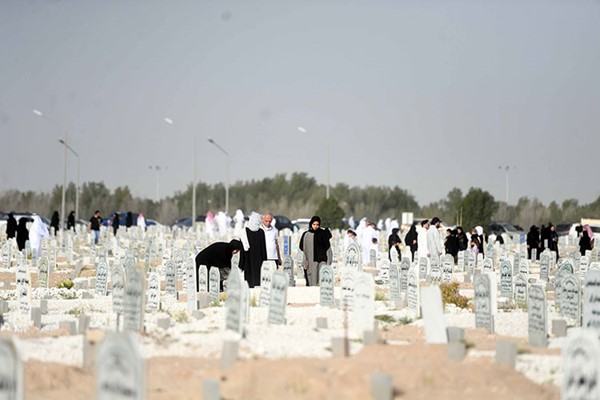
{"type": "Point", "coordinates": [418, 371]}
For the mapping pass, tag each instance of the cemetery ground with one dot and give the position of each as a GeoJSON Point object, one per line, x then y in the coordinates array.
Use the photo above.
{"type": "Point", "coordinates": [292, 361]}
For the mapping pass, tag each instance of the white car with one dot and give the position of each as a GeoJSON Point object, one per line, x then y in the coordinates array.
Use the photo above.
{"type": "Point", "coordinates": [301, 223]}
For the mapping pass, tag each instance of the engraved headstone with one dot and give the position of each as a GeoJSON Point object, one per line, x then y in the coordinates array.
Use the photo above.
{"type": "Point", "coordinates": [234, 318]}
{"type": "Point", "coordinates": [120, 369]}
{"type": "Point", "coordinates": [423, 267]}
{"type": "Point", "coordinates": [570, 298]}
{"type": "Point", "coordinates": [278, 298]}
{"type": "Point", "coordinates": [171, 278]}
{"type": "Point", "coordinates": [353, 257]}
{"type": "Point", "coordinates": [118, 288]}
{"type": "Point", "coordinates": [394, 282]}
{"type": "Point", "coordinates": [435, 273]}
{"type": "Point", "coordinates": [383, 267]}
{"type": "Point", "coordinates": [520, 291]}
{"type": "Point", "coordinates": [153, 302]}
{"type": "Point", "coordinates": [43, 272]}
{"type": "Point", "coordinates": [483, 301]}
{"type": "Point", "coordinates": [413, 292]}
{"type": "Point", "coordinates": [266, 277]}
{"type": "Point", "coordinates": [11, 369]}
{"type": "Point", "coordinates": [203, 278]}
{"type": "Point", "coordinates": [288, 268]}
{"type": "Point", "coordinates": [326, 283]}
{"type": "Point", "coordinates": [347, 283]}
{"type": "Point", "coordinates": [404, 268]}
{"type": "Point", "coordinates": [524, 268]}
{"type": "Point", "coordinates": [214, 280]}
{"type": "Point", "coordinates": [363, 314]}
{"type": "Point", "coordinates": [591, 302]}
{"type": "Point", "coordinates": [581, 371]}
{"type": "Point", "coordinates": [133, 306]}
{"type": "Point", "coordinates": [488, 265]}
{"type": "Point", "coordinates": [583, 266]}
{"type": "Point", "coordinates": [544, 266]}
{"type": "Point", "coordinates": [191, 272]}
{"type": "Point", "coordinates": [537, 316]}
{"type": "Point", "coordinates": [506, 278]}
{"type": "Point", "coordinates": [102, 278]}
{"type": "Point", "coordinates": [460, 265]}
{"type": "Point", "coordinates": [23, 288]}
{"type": "Point", "coordinates": [447, 266]}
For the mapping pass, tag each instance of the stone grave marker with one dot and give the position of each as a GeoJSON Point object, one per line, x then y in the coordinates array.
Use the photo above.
{"type": "Point", "coordinates": [363, 313]}
{"type": "Point", "coordinates": [192, 303]}
{"type": "Point", "coordinates": [203, 278]}
{"type": "Point", "coordinates": [11, 369]}
{"type": "Point", "coordinates": [570, 298]}
{"type": "Point", "coordinates": [423, 267]}
{"type": "Point", "coordinates": [516, 262]}
{"type": "Point", "coordinates": [347, 284]}
{"type": "Point", "coordinates": [484, 293]}
{"type": "Point", "coordinates": [506, 278]}
{"type": "Point", "coordinates": [566, 264]}
{"type": "Point", "coordinates": [133, 305]}
{"type": "Point", "coordinates": [43, 269]}
{"type": "Point", "coordinates": [583, 266]}
{"type": "Point", "coordinates": [120, 368]}
{"type": "Point", "coordinates": [266, 277]}
{"type": "Point", "coordinates": [288, 268]}
{"type": "Point", "coordinates": [245, 300]}
{"type": "Point", "coordinates": [537, 316]}
{"type": "Point", "coordinates": [23, 288]}
{"type": "Point", "coordinates": [394, 255]}
{"type": "Point", "coordinates": [591, 302]}
{"type": "Point", "coordinates": [490, 252]}
{"type": "Point", "coordinates": [353, 257]}
{"type": "Point", "coordinates": [326, 284]}
{"type": "Point", "coordinates": [372, 258]}
{"type": "Point", "coordinates": [171, 278]}
{"type": "Point", "coordinates": [488, 265]}
{"type": "Point", "coordinates": [383, 267]}
{"type": "Point", "coordinates": [447, 265]}
{"type": "Point", "coordinates": [524, 267]}
{"type": "Point", "coordinates": [533, 254]}
{"type": "Point", "coordinates": [6, 255]}
{"type": "Point", "coordinates": [394, 282]}
{"type": "Point", "coordinates": [544, 266]}
{"type": "Point", "coordinates": [214, 281]}
{"type": "Point", "coordinates": [287, 249]}
{"type": "Point", "coordinates": [433, 315]}
{"type": "Point", "coordinates": [460, 265]}
{"type": "Point", "coordinates": [278, 298]}
{"type": "Point", "coordinates": [153, 302]}
{"type": "Point", "coordinates": [594, 266]}
{"type": "Point", "coordinates": [234, 319]}
{"type": "Point", "coordinates": [235, 260]}
{"type": "Point", "coordinates": [404, 268]}
{"type": "Point", "coordinates": [520, 291]}
{"type": "Point", "coordinates": [435, 274]}
{"type": "Point", "coordinates": [470, 262]}
{"type": "Point", "coordinates": [118, 288]}
{"type": "Point", "coordinates": [413, 292]}
{"type": "Point", "coordinates": [189, 262]}
{"type": "Point", "coordinates": [102, 278]}
{"type": "Point", "coordinates": [581, 370]}
{"type": "Point", "coordinates": [594, 255]}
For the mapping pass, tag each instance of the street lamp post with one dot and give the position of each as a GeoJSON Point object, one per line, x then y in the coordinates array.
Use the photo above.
{"type": "Point", "coordinates": [506, 168]}
{"type": "Point", "coordinates": [170, 122]}
{"type": "Point", "coordinates": [226, 174]}
{"type": "Point", "coordinates": [157, 168]}
{"type": "Point", "coordinates": [62, 207]}
{"type": "Point", "coordinates": [77, 189]}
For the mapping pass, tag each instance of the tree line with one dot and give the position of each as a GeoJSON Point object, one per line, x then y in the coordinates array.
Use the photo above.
{"type": "Point", "coordinates": [299, 195]}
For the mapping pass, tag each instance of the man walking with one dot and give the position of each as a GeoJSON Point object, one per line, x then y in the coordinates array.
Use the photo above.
{"type": "Point", "coordinates": [95, 223]}
{"type": "Point", "coordinates": [271, 235]}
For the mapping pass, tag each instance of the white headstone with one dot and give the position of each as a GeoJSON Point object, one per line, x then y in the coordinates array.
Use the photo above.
{"type": "Point", "coordinates": [433, 315]}
{"type": "Point", "coordinates": [266, 277]}
{"type": "Point", "coordinates": [520, 291]}
{"type": "Point", "coordinates": [363, 314]}
{"type": "Point", "coordinates": [234, 320]}
{"type": "Point", "coordinates": [153, 302]}
{"type": "Point", "coordinates": [536, 308]}
{"type": "Point", "coordinates": [581, 370]}
{"type": "Point", "coordinates": [278, 298]}
{"type": "Point", "coordinates": [347, 283]}
{"type": "Point", "coordinates": [395, 281]}
{"type": "Point", "coordinates": [353, 257]}
{"type": "Point", "coordinates": [118, 288]}
{"type": "Point", "coordinates": [102, 278]}
{"type": "Point", "coordinates": [191, 272]}
{"type": "Point", "coordinates": [570, 298]}
{"type": "Point", "coordinates": [483, 301]}
{"type": "Point", "coordinates": [11, 369]}
{"type": "Point", "coordinates": [506, 278]}
{"type": "Point", "coordinates": [171, 278]}
{"type": "Point", "coordinates": [326, 284]}
{"type": "Point", "coordinates": [214, 281]}
{"type": "Point", "coordinates": [203, 278]}
{"type": "Point", "coordinates": [120, 369]}
{"type": "Point", "coordinates": [288, 268]}
{"type": "Point", "coordinates": [447, 266]}
{"type": "Point", "coordinates": [23, 288]}
{"type": "Point", "coordinates": [413, 292]}
{"type": "Point", "coordinates": [43, 272]}
{"type": "Point", "coordinates": [133, 311]}
{"type": "Point", "coordinates": [591, 302]}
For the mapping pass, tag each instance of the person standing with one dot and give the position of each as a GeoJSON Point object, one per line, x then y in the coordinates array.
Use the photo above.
{"type": "Point", "coordinates": [271, 235]}
{"type": "Point", "coordinates": [255, 250]}
{"type": "Point", "coordinates": [533, 241]}
{"type": "Point", "coordinates": [94, 227]}
{"type": "Point", "coordinates": [22, 233]}
{"type": "Point", "coordinates": [71, 220]}
{"type": "Point", "coordinates": [315, 245]}
{"type": "Point", "coordinates": [141, 221]}
{"type": "Point", "coordinates": [463, 241]}
{"type": "Point", "coordinates": [411, 240]}
{"type": "Point", "coordinates": [585, 243]}
{"type": "Point", "coordinates": [11, 226]}
{"type": "Point", "coordinates": [394, 241]}
{"type": "Point", "coordinates": [553, 239]}
{"type": "Point", "coordinates": [54, 222]}
{"type": "Point", "coordinates": [129, 220]}
{"type": "Point", "coordinates": [451, 244]}
{"type": "Point", "coordinates": [37, 233]}
{"type": "Point", "coordinates": [422, 239]}
{"type": "Point", "coordinates": [115, 223]}
{"type": "Point", "coordinates": [434, 243]}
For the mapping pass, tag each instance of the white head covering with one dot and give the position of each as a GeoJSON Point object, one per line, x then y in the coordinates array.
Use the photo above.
{"type": "Point", "coordinates": [479, 230]}
{"type": "Point", "coordinates": [38, 231]}
{"type": "Point", "coordinates": [254, 221]}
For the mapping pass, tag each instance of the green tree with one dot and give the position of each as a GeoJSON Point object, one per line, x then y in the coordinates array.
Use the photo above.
{"type": "Point", "coordinates": [478, 207]}
{"type": "Point", "coordinates": [331, 213]}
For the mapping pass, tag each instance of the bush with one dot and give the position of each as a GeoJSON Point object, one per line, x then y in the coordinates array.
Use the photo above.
{"type": "Point", "coordinates": [450, 295]}
{"type": "Point", "coordinates": [67, 284]}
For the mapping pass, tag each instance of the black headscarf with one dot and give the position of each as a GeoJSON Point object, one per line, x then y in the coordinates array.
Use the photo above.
{"type": "Point", "coordinates": [320, 241]}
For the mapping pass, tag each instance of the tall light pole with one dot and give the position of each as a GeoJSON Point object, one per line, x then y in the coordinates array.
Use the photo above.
{"type": "Point", "coordinates": [304, 130]}
{"type": "Point", "coordinates": [226, 174]}
{"type": "Point", "coordinates": [506, 168]}
{"type": "Point", "coordinates": [157, 168]}
{"type": "Point", "coordinates": [77, 189]}
{"type": "Point", "coordinates": [62, 207]}
{"type": "Point", "coordinates": [170, 122]}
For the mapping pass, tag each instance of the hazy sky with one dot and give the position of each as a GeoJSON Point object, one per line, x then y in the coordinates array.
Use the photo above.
{"type": "Point", "coordinates": [426, 95]}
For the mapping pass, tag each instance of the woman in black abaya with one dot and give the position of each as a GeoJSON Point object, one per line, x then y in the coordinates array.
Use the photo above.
{"type": "Point", "coordinates": [255, 250]}
{"type": "Point", "coordinates": [218, 255]}
{"type": "Point", "coordinates": [317, 250]}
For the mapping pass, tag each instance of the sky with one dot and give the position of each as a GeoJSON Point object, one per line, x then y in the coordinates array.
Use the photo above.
{"type": "Point", "coordinates": [424, 95]}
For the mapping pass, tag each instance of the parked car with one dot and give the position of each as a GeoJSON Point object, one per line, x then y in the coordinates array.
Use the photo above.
{"type": "Point", "coordinates": [283, 222]}
{"type": "Point", "coordinates": [504, 228]}
{"type": "Point", "coordinates": [18, 215]}
{"type": "Point", "coordinates": [301, 224]}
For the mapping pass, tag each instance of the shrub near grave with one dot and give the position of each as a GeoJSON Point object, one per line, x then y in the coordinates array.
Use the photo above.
{"type": "Point", "coordinates": [450, 295]}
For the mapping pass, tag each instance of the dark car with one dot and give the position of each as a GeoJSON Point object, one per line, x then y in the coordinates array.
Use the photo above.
{"type": "Point", "coordinates": [283, 222]}
{"type": "Point", "coordinates": [499, 228]}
